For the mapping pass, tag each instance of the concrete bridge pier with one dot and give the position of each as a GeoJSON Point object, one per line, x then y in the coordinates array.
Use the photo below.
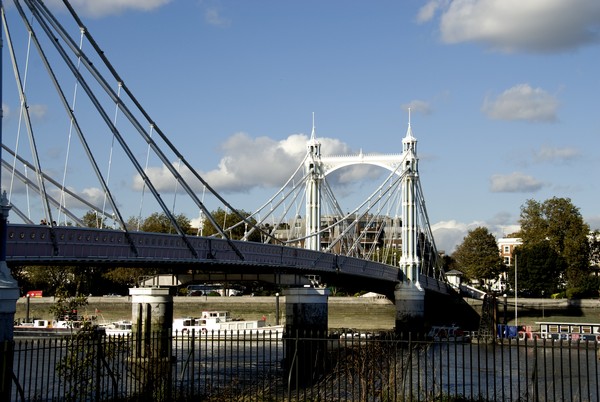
{"type": "Point", "coordinates": [152, 319]}
{"type": "Point", "coordinates": [306, 315]}
{"type": "Point", "coordinates": [410, 308]}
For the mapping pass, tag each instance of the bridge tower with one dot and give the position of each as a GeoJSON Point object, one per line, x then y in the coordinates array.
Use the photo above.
{"type": "Point", "coordinates": [317, 166]}
{"type": "Point", "coordinates": [410, 262]}
{"type": "Point", "coordinates": [313, 166]}
{"type": "Point", "coordinates": [409, 295]}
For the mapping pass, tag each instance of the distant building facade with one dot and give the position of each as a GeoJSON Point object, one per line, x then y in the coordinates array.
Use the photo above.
{"type": "Point", "coordinates": [507, 245]}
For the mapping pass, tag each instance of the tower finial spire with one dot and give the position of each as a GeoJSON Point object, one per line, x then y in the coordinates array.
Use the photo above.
{"type": "Point", "coordinates": [312, 134]}
{"type": "Point", "coordinates": [409, 117]}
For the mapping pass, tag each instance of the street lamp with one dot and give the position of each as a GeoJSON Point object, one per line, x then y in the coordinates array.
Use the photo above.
{"type": "Point", "coordinates": [505, 296]}
{"type": "Point", "coordinates": [542, 304]}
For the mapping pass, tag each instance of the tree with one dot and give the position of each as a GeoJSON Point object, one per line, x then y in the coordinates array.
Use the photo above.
{"type": "Point", "coordinates": [595, 249]}
{"type": "Point", "coordinates": [540, 269]}
{"type": "Point", "coordinates": [93, 219]}
{"type": "Point", "coordinates": [66, 307]}
{"type": "Point", "coordinates": [477, 256]}
{"type": "Point", "coordinates": [558, 222]}
{"type": "Point", "coordinates": [227, 221]}
{"type": "Point", "coordinates": [126, 278]}
{"type": "Point", "coordinates": [160, 223]}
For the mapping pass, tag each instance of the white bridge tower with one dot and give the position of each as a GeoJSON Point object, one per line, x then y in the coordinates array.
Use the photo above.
{"type": "Point", "coordinates": [318, 166]}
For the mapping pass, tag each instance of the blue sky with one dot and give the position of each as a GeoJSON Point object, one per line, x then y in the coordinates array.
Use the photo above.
{"type": "Point", "coordinates": [503, 93]}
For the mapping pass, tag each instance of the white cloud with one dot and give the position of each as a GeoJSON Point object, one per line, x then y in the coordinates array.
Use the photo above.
{"type": "Point", "coordinates": [38, 111]}
{"type": "Point", "coordinates": [418, 106]}
{"type": "Point", "coordinates": [6, 110]}
{"type": "Point", "coordinates": [449, 234]}
{"type": "Point", "coordinates": [515, 182]}
{"type": "Point", "coordinates": [522, 102]}
{"type": "Point", "coordinates": [213, 17]}
{"type": "Point", "coordinates": [594, 222]}
{"type": "Point", "coordinates": [427, 12]}
{"type": "Point", "coordinates": [541, 26]}
{"type": "Point", "coordinates": [101, 8]}
{"type": "Point", "coordinates": [249, 163]}
{"type": "Point", "coordinates": [555, 155]}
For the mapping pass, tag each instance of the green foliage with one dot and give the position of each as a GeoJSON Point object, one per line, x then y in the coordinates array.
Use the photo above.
{"type": "Point", "coordinates": [92, 219]}
{"type": "Point", "coordinates": [73, 279]}
{"type": "Point", "coordinates": [559, 223]}
{"type": "Point", "coordinates": [66, 307]}
{"type": "Point", "coordinates": [127, 277]}
{"type": "Point", "coordinates": [477, 256]}
{"type": "Point", "coordinates": [82, 367]}
{"type": "Point", "coordinates": [160, 223]}
{"type": "Point", "coordinates": [540, 269]}
{"type": "Point", "coordinates": [232, 224]}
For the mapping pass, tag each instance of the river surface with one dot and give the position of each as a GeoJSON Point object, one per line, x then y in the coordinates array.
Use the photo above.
{"type": "Point", "coordinates": [546, 371]}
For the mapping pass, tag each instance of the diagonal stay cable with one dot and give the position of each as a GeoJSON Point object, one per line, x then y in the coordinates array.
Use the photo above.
{"type": "Point", "coordinates": [143, 133]}
{"type": "Point", "coordinates": [51, 199]}
{"type": "Point", "coordinates": [104, 115]}
{"type": "Point", "coordinates": [74, 120]}
{"type": "Point", "coordinates": [56, 183]}
{"type": "Point", "coordinates": [27, 116]}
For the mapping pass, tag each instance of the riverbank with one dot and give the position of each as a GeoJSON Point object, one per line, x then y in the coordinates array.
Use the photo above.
{"type": "Point", "coordinates": [344, 312]}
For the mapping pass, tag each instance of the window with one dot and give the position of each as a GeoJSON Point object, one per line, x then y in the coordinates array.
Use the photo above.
{"type": "Point", "coordinates": [506, 249]}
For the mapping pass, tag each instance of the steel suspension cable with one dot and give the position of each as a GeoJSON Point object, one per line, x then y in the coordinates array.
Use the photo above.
{"type": "Point", "coordinates": [143, 192]}
{"type": "Point", "coordinates": [110, 154]}
{"type": "Point", "coordinates": [91, 68]}
{"type": "Point", "coordinates": [20, 124]}
{"type": "Point", "coordinates": [62, 193]}
{"type": "Point", "coordinates": [27, 117]}
{"type": "Point", "coordinates": [69, 112]}
{"type": "Point", "coordinates": [161, 134]}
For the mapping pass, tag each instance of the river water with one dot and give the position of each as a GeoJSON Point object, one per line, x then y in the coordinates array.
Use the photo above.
{"type": "Point", "coordinates": [542, 371]}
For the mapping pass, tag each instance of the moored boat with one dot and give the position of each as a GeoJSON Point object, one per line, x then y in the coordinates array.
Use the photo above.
{"type": "Point", "coordinates": [46, 328]}
{"type": "Point", "coordinates": [221, 324]}
{"type": "Point", "coordinates": [570, 331]}
{"type": "Point", "coordinates": [118, 328]}
{"type": "Point", "coordinates": [447, 333]}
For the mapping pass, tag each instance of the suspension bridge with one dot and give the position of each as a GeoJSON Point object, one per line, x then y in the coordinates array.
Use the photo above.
{"type": "Point", "coordinates": [105, 136]}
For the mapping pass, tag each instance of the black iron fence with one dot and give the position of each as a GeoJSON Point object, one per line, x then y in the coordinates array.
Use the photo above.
{"type": "Point", "coordinates": [259, 367]}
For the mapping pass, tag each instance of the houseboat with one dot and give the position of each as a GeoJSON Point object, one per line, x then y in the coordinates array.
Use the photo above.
{"type": "Point", "coordinates": [220, 323]}
{"type": "Point", "coordinates": [118, 328]}
{"type": "Point", "coordinates": [574, 331]}
{"type": "Point", "coordinates": [46, 328]}
{"type": "Point", "coordinates": [447, 333]}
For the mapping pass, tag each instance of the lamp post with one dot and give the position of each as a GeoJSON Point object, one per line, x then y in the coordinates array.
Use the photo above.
{"type": "Point", "coordinates": [276, 308]}
{"type": "Point", "coordinates": [542, 304]}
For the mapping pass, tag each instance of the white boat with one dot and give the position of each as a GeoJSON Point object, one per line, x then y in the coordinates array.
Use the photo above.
{"type": "Point", "coordinates": [570, 331]}
{"type": "Point", "coordinates": [447, 333]}
{"type": "Point", "coordinates": [47, 328]}
{"type": "Point", "coordinates": [220, 324]}
{"type": "Point", "coordinates": [118, 328]}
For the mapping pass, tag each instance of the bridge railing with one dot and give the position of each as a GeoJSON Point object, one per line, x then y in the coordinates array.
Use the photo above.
{"type": "Point", "coordinates": [45, 244]}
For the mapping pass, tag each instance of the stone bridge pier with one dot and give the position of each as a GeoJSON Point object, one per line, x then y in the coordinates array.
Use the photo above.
{"type": "Point", "coordinates": [306, 315]}
{"type": "Point", "coordinates": [152, 319]}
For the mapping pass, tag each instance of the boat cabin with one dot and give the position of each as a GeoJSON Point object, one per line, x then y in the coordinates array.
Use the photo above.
{"type": "Point", "coordinates": [569, 331]}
